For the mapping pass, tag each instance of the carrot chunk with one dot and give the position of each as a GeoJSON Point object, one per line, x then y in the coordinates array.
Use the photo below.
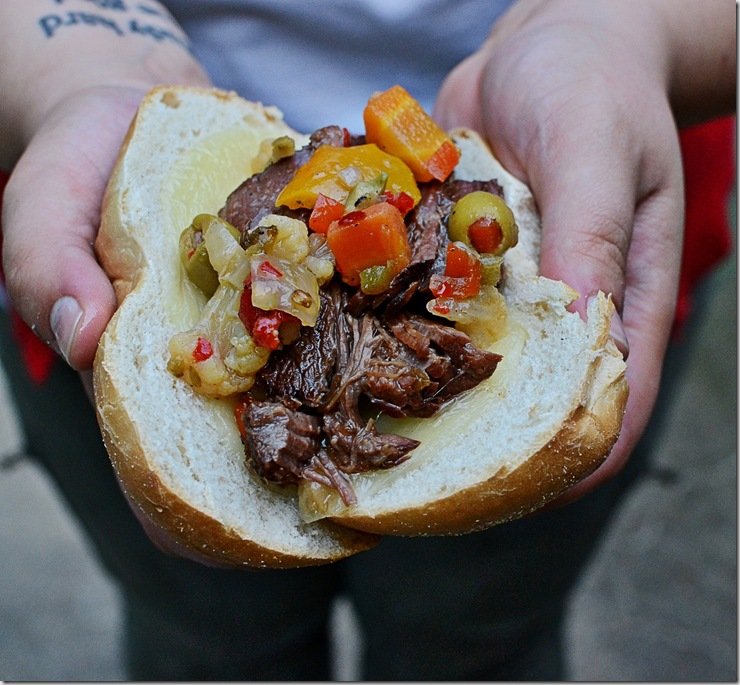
{"type": "Point", "coordinates": [398, 124]}
{"type": "Point", "coordinates": [374, 236]}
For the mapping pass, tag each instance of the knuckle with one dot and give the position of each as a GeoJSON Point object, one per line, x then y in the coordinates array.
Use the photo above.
{"type": "Point", "coordinates": [605, 241]}
{"type": "Point", "coordinates": [596, 251]}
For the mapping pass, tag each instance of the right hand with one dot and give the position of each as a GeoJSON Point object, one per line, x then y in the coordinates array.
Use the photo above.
{"type": "Point", "coordinates": [51, 214]}
{"type": "Point", "coordinates": [588, 122]}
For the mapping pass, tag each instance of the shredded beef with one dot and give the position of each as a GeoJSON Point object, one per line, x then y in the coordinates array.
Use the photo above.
{"type": "Point", "coordinates": [356, 444]}
{"type": "Point", "coordinates": [280, 440]}
{"type": "Point", "coordinates": [451, 359]}
{"type": "Point", "coordinates": [404, 366]}
{"type": "Point", "coordinates": [365, 353]}
{"type": "Point", "coordinates": [324, 370]}
{"type": "Point", "coordinates": [283, 446]}
{"type": "Point", "coordinates": [256, 197]}
{"type": "Point", "coordinates": [304, 370]}
{"type": "Point", "coordinates": [420, 365]}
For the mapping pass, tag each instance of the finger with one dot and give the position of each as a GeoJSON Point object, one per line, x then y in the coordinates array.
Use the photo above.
{"type": "Point", "coordinates": [648, 313]}
{"type": "Point", "coordinates": [649, 308]}
{"type": "Point", "coordinates": [458, 100]}
{"type": "Point", "coordinates": [613, 222]}
{"type": "Point", "coordinates": [50, 217]}
{"type": "Point", "coordinates": [587, 211]}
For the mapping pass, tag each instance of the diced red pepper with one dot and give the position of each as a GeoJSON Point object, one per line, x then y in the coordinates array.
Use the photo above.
{"type": "Point", "coordinates": [326, 210]}
{"type": "Point", "coordinates": [247, 311]}
{"type": "Point", "coordinates": [203, 350]}
{"type": "Point", "coordinates": [270, 270]}
{"type": "Point", "coordinates": [266, 330]}
{"type": "Point", "coordinates": [462, 276]}
{"type": "Point", "coordinates": [441, 307]}
{"type": "Point", "coordinates": [403, 202]}
{"type": "Point", "coordinates": [456, 288]}
{"type": "Point", "coordinates": [270, 329]}
{"type": "Point", "coordinates": [485, 235]}
{"type": "Point", "coordinates": [461, 262]}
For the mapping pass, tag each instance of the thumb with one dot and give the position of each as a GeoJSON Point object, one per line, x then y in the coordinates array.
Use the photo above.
{"type": "Point", "coordinates": [52, 277]}
{"type": "Point", "coordinates": [51, 213]}
{"type": "Point", "coordinates": [613, 223]}
{"type": "Point", "coordinates": [587, 219]}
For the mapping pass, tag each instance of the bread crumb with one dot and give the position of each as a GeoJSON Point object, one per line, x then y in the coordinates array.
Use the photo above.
{"type": "Point", "coordinates": [170, 99]}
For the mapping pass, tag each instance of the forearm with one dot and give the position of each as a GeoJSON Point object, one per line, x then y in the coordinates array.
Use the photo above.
{"type": "Point", "coordinates": [51, 49]}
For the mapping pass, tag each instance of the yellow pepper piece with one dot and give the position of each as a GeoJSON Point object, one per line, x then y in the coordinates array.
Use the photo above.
{"type": "Point", "coordinates": [398, 124]}
{"type": "Point", "coordinates": [333, 171]}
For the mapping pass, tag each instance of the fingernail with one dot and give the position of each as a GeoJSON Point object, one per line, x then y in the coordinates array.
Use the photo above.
{"type": "Point", "coordinates": [618, 335]}
{"type": "Point", "coordinates": [65, 318]}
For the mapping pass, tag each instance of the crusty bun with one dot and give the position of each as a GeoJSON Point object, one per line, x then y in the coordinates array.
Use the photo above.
{"type": "Point", "coordinates": [546, 418]}
{"type": "Point", "coordinates": [178, 456]}
{"type": "Point", "coordinates": [543, 421]}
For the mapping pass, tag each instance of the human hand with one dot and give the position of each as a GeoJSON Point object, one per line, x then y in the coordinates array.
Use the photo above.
{"type": "Point", "coordinates": [69, 94]}
{"type": "Point", "coordinates": [51, 213]}
{"type": "Point", "coordinates": [574, 99]}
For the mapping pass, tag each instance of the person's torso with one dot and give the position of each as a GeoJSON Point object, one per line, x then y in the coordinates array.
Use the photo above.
{"type": "Point", "coordinates": [319, 61]}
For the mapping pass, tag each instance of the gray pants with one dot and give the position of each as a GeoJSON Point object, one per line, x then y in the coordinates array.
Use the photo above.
{"type": "Point", "coordinates": [485, 606]}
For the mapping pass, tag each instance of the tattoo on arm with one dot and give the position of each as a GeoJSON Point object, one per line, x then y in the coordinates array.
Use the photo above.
{"type": "Point", "coordinates": [121, 17]}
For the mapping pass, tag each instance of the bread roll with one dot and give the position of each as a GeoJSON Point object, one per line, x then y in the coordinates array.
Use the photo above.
{"type": "Point", "coordinates": [546, 418]}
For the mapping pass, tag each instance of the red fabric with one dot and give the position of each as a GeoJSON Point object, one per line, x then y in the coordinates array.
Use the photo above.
{"type": "Point", "coordinates": [37, 356]}
{"type": "Point", "coordinates": [709, 168]}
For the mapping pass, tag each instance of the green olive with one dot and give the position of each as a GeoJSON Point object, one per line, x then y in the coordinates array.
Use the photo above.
{"type": "Point", "coordinates": [483, 208]}
{"type": "Point", "coordinates": [194, 255]}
